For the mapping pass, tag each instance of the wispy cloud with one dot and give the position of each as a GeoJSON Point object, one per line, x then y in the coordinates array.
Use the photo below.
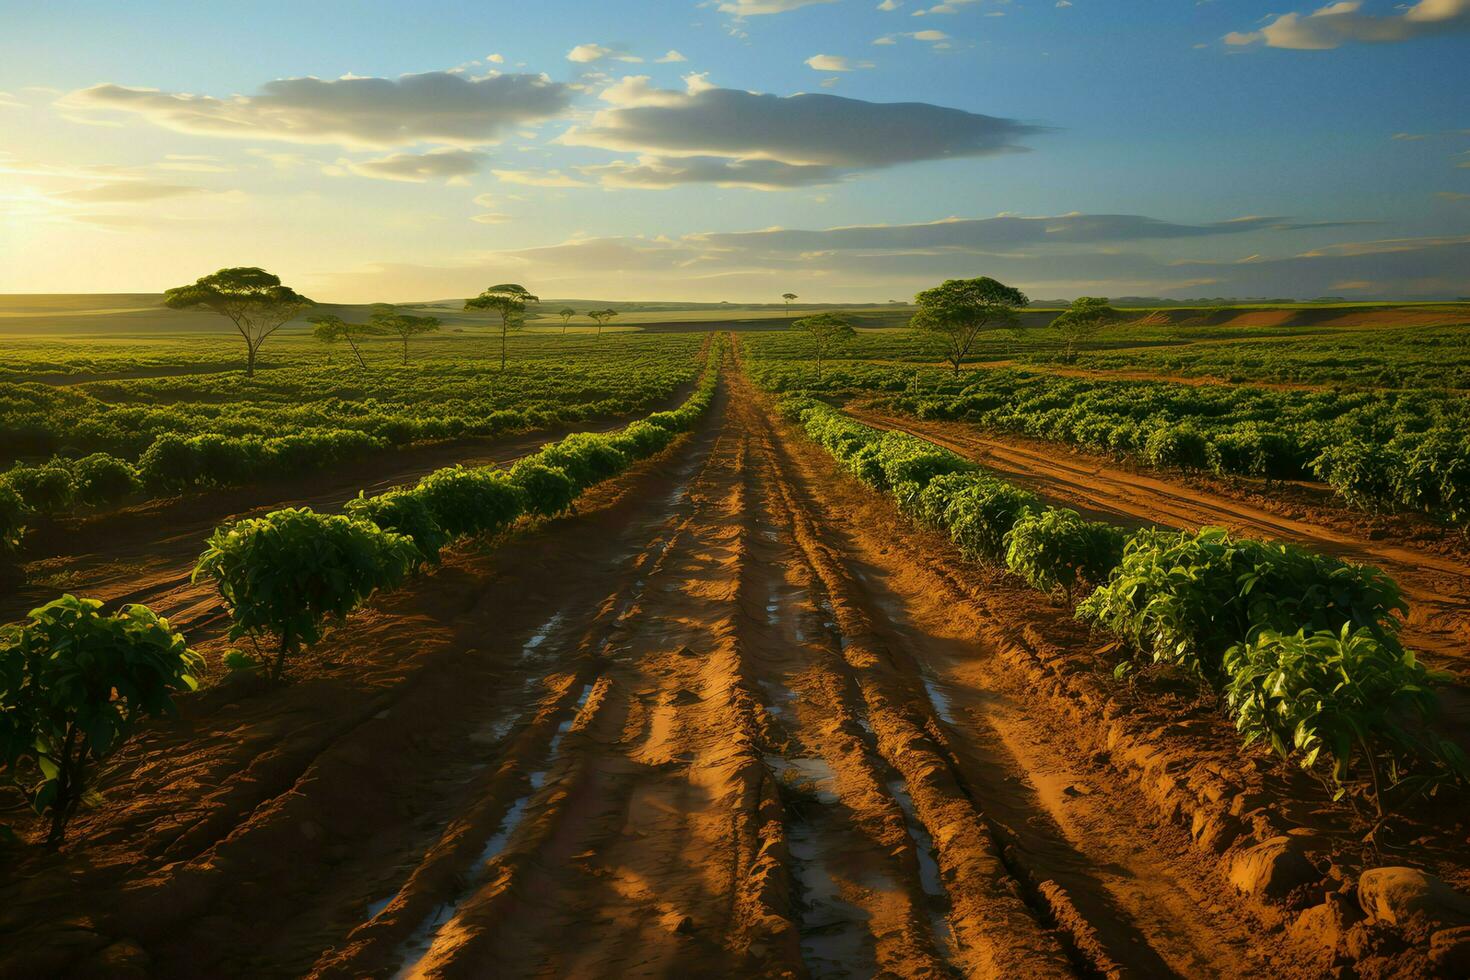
{"type": "Point", "coordinates": [1345, 22]}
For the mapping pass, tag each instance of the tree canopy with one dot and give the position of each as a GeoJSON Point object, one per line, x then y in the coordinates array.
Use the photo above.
{"type": "Point", "coordinates": [1082, 320]}
{"type": "Point", "coordinates": [509, 299]}
{"type": "Point", "coordinates": [330, 328]}
{"type": "Point", "coordinates": [252, 299]}
{"type": "Point", "coordinates": [959, 309]}
{"type": "Point", "coordinates": [826, 330]}
{"type": "Point", "coordinates": [388, 320]}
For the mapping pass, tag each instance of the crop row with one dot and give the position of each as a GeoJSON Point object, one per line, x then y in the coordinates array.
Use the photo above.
{"type": "Point", "coordinates": [75, 680]}
{"type": "Point", "coordinates": [201, 432]}
{"type": "Point", "coordinates": [1303, 647]}
{"type": "Point", "coordinates": [1379, 449]}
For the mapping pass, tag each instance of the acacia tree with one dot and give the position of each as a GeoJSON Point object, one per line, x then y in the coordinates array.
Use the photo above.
{"type": "Point", "coordinates": [826, 330]}
{"type": "Point", "coordinates": [329, 328]}
{"type": "Point", "coordinates": [387, 319]}
{"type": "Point", "coordinates": [252, 299]}
{"type": "Point", "coordinates": [509, 300]}
{"type": "Point", "coordinates": [788, 297]}
{"type": "Point", "coordinates": [566, 313]}
{"type": "Point", "coordinates": [601, 317]}
{"type": "Point", "coordinates": [1082, 320]}
{"type": "Point", "coordinates": [959, 309]}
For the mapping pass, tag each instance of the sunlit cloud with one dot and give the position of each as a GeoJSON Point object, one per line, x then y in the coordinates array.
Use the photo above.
{"type": "Point", "coordinates": [1344, 22]}
{"type": "Point", "coordinates": [445, 163]}
{"type": "Point", "coordinates": [757, 8]}
{"type": "Point", "coordinates": [538, 178]}
{"type": "Point", "coordinates": [585, 54]}
{"type": "Point", "coordinates": [434, 107]}
{"type": "Point", "coordinates": [834, 62]}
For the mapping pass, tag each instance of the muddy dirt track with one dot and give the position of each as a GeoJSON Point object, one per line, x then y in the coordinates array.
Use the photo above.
{"type": "Point", "coordinates": [718, 723]}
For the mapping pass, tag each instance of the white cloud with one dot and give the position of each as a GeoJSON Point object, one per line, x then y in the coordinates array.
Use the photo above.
{"type": "Point", "coordinates": [1344, 22]}
{"type": "Point", "coordinates": [937, 38]}
{"type": "Point", "coordinates": [890, 4]}
{"type": "Point", "coordinates": [834, 62]}
{"type": "Point", "coordinates": [491, 218]}
{"type": "Point", "coordinates": [588, 53]}
{"type": "Point", "coordinates": [754, 8]}
{"type": "Point", "coordinates": [495, 59]}
{"type": "Point", "coordinates": [446, 163]}
{"type": "Point", "coordinates": [947, 7]}
{"type": "Point", "coordinates": [538, 178]}
{"type": "Point", "coordinates": [434, 107]}
{"type": "Point", "coordinates": [670, 57]}
{"type": "Point", "coordinates": [127, 192]}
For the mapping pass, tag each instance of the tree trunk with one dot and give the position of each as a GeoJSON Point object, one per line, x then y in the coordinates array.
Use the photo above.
{"type": "Point", "coordinates": [61, 806]}
{"type": "Point", "coordinates": [279, 670]}
{"type": "Point", "coordinates": [357, 353]}
{"type": "Point", "coordinates": [504, 329]}
{"type": "Point", "coordinates": [249, 359]}
{"type": "Point", "coordinates": [405, 348]}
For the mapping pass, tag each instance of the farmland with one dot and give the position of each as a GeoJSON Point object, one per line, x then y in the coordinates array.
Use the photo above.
{"type": "Point", "coordinates": [659, 639]}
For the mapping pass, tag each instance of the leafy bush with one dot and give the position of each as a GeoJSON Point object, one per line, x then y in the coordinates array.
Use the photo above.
{"type": "Point", "coordinates": [1176, 445]}
{"type": "Point", "coordinates": [104, 479]}
{"type": "Point", "coordinates": [585, 457]}
{"type": "Point", "coordinates": [1361, 472]}
{"type": "Point", "coordinates": [170, 464]}
{"type": "Point", "coordinates": [1340, 698]}
{"type": "Point", "coordinates": [73, 683]}
{"type": "Point", "coordinates": [1056, 549]}
{"type": "Point", "coordinates": [470, 501]}
{"type": "Point", "coordinates": [982, 513]}
{"type": "Point", "coordinates": [13, 513]}
{"type": "Point", "coordinates": [1186, 598]}
{"type": "Point", "coordinates": [291, 571]}
{"type": "Point", "coordinates": [403, 512]}
{"type": "Point", "coordinates": [44, 489]}
{"type": "Point", "coordinates": [547, 490]}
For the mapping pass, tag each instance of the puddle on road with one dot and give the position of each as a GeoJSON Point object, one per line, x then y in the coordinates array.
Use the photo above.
{"type": "Point", "coordinates": [937, 696]}
{"type": "Point", "coordinates": [417, 946]}
{"type": "Point", "coordinates": [929, 877]}
{"type": "Point", "coordinates": [778, 697]}
{"type": "Point", "coordinates": [834, 932]}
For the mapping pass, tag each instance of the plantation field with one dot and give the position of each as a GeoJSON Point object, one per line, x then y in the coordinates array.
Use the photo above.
{"type": "Point", "coordinates": [657, 652]}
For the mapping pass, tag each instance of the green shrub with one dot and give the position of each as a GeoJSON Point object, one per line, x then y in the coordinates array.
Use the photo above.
{"type": "Point", "coordinates": [73, 683]}
{"type": "Point", "coordinates": [13, 514]}
{"type": "Point", "coordinates": [287, 573]}
{"type": "Point", "coordinates": [403, 512]}
{"type": "Point", "coordinates": [1056, 549]}
{"type": "Point", "coordinates": [547, 490]}
{"type": "Point", "coordinates": [1185, 598]}
{"type": "Point", "coordinates": [1176, 445]}
{"type": "Point", "coordinates": [103, 479]}
{"type": "Point", "coordinates": [1363, 473]}
{"type": "Point", "coordinates": [470, 501]}
{"type": "Point", "coordinates": [982, 514]}
{"type": "Point", "coordinates": [45, 489]}
{"type": "Point", "coordinates": [585, 457]}
{"type": "Point", "coordinates": [1332, 700]}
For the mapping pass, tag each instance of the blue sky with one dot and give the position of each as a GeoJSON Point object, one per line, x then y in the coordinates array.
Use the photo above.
{"type": "Point", "coordinates": [586, 159]}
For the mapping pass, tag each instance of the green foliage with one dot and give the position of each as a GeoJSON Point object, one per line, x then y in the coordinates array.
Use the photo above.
{"type": "Point", "coordinates": [982, 513]}
{"type": "Point", "coordinates": [1082, 321]}
{"type": "Point", "coordinates": [585, 457]}
{"type": "Point", "coordinates": [252, 299]}
{"type": "Point", "coordinates": [959, 309]}
{"type": "Point", "coordinates": [546, 490]}
{"type": "Point", "coordinates": [44, 489]}
{"type": "Point", "coordinates": [74, 681]}
{"type": "Point", "coordinates": [1056, 549]}
{"type": "Point", "coordinates": [1186, 598]}
{"type": "Point", "coordinates": [290, 572]}
{"type": "Point", "coordinates": [465, 500]}
{"type": "Point", "coordinates": [403, 512]}
{"type": "Point", "coordinates": [1335, 701]}
{"type": "Point", "coordinates": [13, 514]}
{"type": "Point", "coordinates": [103, 479]}
{"type": "Point", "coordinates": [826, 330]}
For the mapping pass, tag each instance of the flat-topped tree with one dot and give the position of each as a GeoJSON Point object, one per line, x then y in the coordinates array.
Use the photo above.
{"type": "Point", "coordinates": [387, 319]}
{"type": "Point", "coordinates": [509, 299]}
{"type": "Point", "coordinates": [600, 317]}
{"type": "Point", "coordinates": [566, 313]}
{"type": "Point", "coordinates": [1082, 320]}
{"type": "Point", "coordinates": [959, 309]}
{"type": "Point", "coordinates": [826, 331]}
{"type": "Point", "coordinates": [330, 328]}
{"type": "Point", "coordinates": [788, 297]}
{"type": "Point", "coordinates": [252, 299]}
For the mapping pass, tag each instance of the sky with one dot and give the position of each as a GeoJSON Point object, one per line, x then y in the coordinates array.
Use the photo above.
{"type": "Point", "coordinates": [843, 150]}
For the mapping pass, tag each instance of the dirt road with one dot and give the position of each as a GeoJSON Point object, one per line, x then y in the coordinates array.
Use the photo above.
{"type": "Point", "coordinates": [716, 724]}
